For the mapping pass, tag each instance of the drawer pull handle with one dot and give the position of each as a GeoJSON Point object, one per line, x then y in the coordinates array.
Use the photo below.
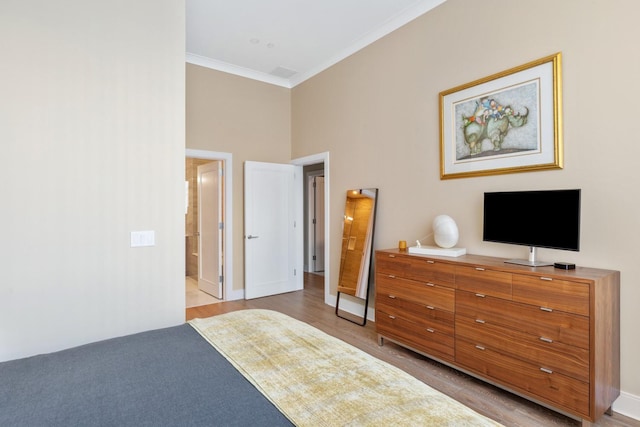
{"type": "Point", "coordinates": [392, 296]}
{"type": "Point", "coordinates": [479, 269]}
{"type": "Point", "coordinates": [430, 330]}
{"type": "Point", "coordinates": [392, 317]}
{"type": "Point", "coordinates": [545, 339]}
{"type": "Point", "coordinates": [479, 347]}
{"type": "Point", "coordinates": [546, 371]}
{"type": "Point", "coordinates": [549, 279]}
{"type": "Point", "coordinates": [480, 295]}
{"type": "Point", "coordinates": [429, 284]}
{"type": "Point", "coordinates": [430, 261]}
{"type": "Point", "coordinates": [391, 256]}
{"type": "Point", "coordinates": [430, 307]}
{"type": "Point", "coordinates": [391, 276]}
{"type": "Point", "coordinates": [546, 309]}
{"type": "Point", "coordinates": [480, 321]}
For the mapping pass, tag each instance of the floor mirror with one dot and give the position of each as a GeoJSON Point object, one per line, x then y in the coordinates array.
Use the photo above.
{"type": "Point", "coordinates": [357, 248]}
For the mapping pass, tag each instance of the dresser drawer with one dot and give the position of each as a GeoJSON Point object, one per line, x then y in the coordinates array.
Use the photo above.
{"type": "Point", "coordinates": [557, 356]}
{"type": "Point", "coordinates": [566, 328]}
{"type": "Point", "coordinates": [428, 293]}
{"type": "Point", "coordinates": [484, 281]}
{"type": "Point", "coordinates": [538, 381]}
{"type": "Point", "coordinates": [426, 316]}
{"type": "Point", "coordinates": [557, 294]}
{"type": "Point", "coordinates": [431, 270]}
{"type": "Point", "coordinates": [392, 264]}
{"type": "Point", "coordinates": [429, 341]}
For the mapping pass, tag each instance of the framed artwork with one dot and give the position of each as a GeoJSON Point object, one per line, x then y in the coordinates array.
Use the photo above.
{"type": "Point", "coordinates": [504, 123]}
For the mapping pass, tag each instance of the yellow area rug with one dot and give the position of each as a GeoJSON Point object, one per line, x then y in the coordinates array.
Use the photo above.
{"type": "Point", "coordinates": [318, 380]}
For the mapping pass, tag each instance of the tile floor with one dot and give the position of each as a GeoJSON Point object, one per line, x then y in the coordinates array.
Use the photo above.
{"type": "Point", "coordinates": [194, 296]}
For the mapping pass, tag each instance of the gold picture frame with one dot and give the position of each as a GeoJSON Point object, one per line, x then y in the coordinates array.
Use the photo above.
{"type": "Point", "coordinates": [504, 123]}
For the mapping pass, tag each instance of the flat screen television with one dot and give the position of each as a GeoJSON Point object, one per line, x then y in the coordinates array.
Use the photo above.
{"type": "Point", "coordinates": [538, 219]}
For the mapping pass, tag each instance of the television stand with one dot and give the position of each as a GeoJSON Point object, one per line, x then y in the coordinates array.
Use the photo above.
{"type": "Point", "coordinates": [528, 263]}
{"type": "Point", "coordinates": [547, 334]}
{"type": "Point", "coordinates": [531, 262]}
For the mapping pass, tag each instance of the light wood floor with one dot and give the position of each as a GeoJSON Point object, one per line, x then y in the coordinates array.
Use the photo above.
{"type": "Point", "coordinates": [308, 306]}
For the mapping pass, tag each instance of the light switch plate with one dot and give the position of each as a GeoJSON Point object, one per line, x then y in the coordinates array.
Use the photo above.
{"type": "Point", "coordinates": [143, 238]}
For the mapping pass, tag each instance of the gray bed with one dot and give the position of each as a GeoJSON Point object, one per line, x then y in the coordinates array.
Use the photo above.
{"type": "Point", "coordinates": [243, 368]}
{"type": "Point", "coordinates": [166, 377]}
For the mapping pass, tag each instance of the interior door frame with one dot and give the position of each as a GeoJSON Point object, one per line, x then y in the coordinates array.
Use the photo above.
{"type": "Point", "coordinates": [312, 160]}
{"type": "Point", "coordinates": [227, 253]}
{"type": "Point", "coordinates": [310, 244]}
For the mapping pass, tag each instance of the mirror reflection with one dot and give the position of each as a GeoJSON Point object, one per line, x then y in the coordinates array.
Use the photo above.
{"type": "Point", "coordinates": [357, 243]}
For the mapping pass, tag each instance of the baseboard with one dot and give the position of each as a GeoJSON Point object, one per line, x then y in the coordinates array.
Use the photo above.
{"type": "Point", "coordinates": [628, 405]}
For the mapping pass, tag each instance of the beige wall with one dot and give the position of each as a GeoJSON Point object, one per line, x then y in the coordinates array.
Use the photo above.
{"type": "Point", "coordinates": [92, 131]}
{"type": "Point", "coordinates": [377, 114]}
{"type": "Point", "coordinates": [249, 119]}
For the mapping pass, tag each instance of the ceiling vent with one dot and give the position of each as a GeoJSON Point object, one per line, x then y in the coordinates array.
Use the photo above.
{"type": "Point", "coordinates": [285, 73]}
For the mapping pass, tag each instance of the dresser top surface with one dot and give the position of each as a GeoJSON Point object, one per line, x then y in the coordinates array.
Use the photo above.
{"type": "Point", "coordinates": [497, 263]}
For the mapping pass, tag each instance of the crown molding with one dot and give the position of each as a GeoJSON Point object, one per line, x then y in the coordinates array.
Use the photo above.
{"type": "Point", "coordinates": [390, 26]}
{"type": "Point", "coordinates": [401, 19]}
{"type": "Point", "coordinates": [235, 70]}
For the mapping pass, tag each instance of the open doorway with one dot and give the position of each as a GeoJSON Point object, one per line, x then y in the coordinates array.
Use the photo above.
{"type": "Point", "coordinates": [314, 218]}
{"type": "Point", "coordinates": [319, 163]}
{"type": "Point", "coordinates": [203, 238]}
{"type": "Point", "coordinates": [216, 234]}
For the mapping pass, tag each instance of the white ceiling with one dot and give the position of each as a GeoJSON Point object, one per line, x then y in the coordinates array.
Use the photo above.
{"type": "Point", "coordinates": [285, 42]}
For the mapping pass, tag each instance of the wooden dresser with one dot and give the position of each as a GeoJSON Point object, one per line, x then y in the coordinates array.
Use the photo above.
{"type": "Point", "coordinates": [547, 334]}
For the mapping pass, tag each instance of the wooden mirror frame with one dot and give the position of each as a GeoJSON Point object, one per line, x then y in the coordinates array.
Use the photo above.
{"type": "Point", "coordinates": [356, 267]}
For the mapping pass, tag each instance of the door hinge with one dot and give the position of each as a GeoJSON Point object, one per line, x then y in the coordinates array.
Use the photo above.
{"type": "Point", "coordinates": [295, 273]}
{"type": "Point", "coordinates": [314, 257]}
{"type": "Point", "coordinates": [221, 279]}
{"type": "Point", "coordinates": [220, 172]}
{"type": "Point", "coordinates": [221, 226]}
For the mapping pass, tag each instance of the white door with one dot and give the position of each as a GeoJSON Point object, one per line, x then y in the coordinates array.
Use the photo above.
{"type": "Point", "coordinates": [209, 226]}
{"type": "Point", "coordinates": [273, 231]}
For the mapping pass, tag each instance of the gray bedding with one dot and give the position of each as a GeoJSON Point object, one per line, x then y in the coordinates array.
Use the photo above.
{"type": "Point", "coordinates": [166, 377]}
